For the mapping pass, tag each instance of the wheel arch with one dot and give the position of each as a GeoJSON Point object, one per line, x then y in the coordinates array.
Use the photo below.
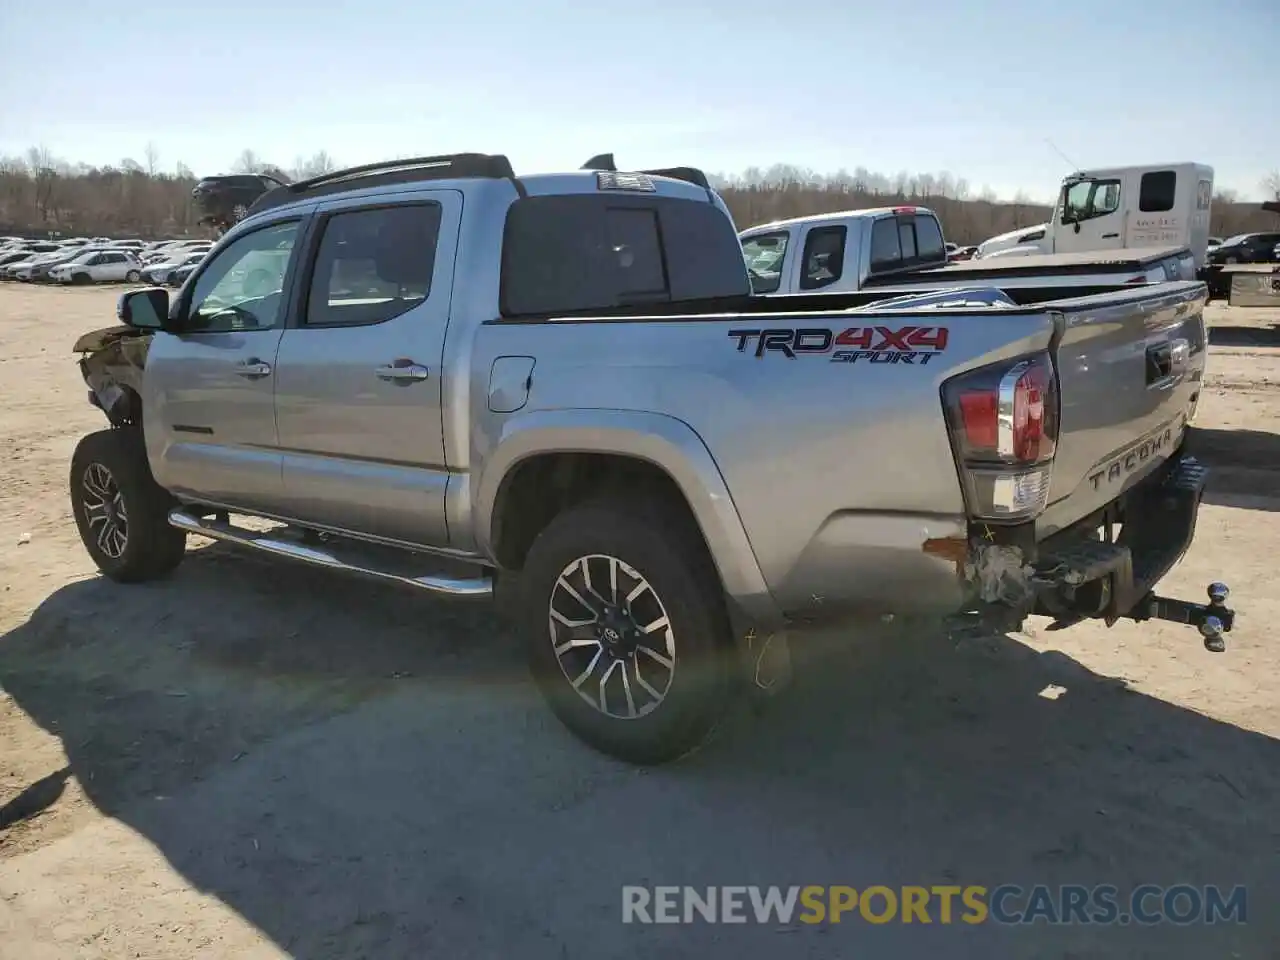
{"type": "Point", "coordinates": [545, 460]}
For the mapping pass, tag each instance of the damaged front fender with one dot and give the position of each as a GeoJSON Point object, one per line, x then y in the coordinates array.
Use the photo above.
{"type": "Point", "coordinates": [112, 361]}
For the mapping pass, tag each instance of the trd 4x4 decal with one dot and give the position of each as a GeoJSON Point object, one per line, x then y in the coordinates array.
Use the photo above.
{"type": "Point", "coordinates": [871, 344]}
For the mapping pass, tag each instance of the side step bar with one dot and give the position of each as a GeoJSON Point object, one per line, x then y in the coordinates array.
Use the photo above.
{"type": "Point", "coordinates": [327, 555]}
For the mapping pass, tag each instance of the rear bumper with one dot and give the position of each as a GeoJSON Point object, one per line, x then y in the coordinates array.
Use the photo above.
{"type": "Point", "coordinates": [1074, 573]}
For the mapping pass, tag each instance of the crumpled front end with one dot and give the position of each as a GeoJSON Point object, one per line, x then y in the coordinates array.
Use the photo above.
{"type": "Point", "coordinates": [112, 362]}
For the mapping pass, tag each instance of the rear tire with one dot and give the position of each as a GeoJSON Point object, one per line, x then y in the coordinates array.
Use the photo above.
{"type": "Point", "coordinates": [121, 512]}
{"type": "Point", "coordinates": [133, 276]}
{"type": "Point", "coordinates": [664, 690]}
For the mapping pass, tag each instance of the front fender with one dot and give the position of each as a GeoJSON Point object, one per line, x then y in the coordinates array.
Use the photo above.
{"type": "Point", "coordinates": [667, 443]}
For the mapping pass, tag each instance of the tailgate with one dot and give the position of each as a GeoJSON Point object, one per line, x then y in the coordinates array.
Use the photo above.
{"type": "Point", "coordinates": [1130, 367]}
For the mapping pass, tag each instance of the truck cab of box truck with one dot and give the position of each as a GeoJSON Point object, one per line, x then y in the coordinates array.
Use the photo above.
{"type": "Point", "coordinates": [1156, 205]}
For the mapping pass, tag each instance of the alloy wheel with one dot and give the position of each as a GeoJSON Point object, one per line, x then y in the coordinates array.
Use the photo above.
{"type": "Point", "coordinates": [104, 510]}
{"type": "Point", "coordinates": [612, 636]}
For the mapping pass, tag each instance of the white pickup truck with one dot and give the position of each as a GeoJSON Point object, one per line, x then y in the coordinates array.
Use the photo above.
{"type": "Point", "coordinates": [1120, 208]}
{"type": "Point", "coordinates": [901, 249]}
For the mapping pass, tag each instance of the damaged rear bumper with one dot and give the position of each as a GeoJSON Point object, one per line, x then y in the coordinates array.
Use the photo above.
{"type": "Point", "coordinates": [1084, 572]}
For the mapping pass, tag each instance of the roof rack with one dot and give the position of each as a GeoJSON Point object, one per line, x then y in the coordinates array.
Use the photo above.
{"type": "Point", "coordinates": [447, 166]}
{"type": "Point", "coordinates": [604, 161]}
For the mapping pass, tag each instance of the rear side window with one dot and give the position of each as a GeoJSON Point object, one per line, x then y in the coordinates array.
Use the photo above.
{"type": "Point", "coordinates": [929, 243]}
{"type": "Point", "coordinates": [372, 264]}
{"type": "Point", "coordinates": [886, 251]}
{"type": "Point", "coordinates": [823, 257]}
{"type": "Point", "coordinates": [908, 241]}
{"type": "Point", "coordinates": [1156, 192]}
{"type": "Point", "coordinates": [593, 252]}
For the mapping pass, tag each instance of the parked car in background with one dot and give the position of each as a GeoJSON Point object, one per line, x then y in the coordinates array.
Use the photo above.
{"type": "Point", "coordinates": [103, 266]}
{"type": "Point", "coordinates": [161, 273]}
{"type": "Point", "coordinates": [13, 256]}
{"type": "Point", "coordinates": [35, 249]}
{"type": "Point", "coordinates": [902, 249]}
{"type": "Point", "coordinates": [1245, 248]}
{"type": "Point", "coordinates": [38, 267]}
{"type": "Point", "coordinates": [179, 275]}
{"type": "Point", "coordinates": [224, 200]}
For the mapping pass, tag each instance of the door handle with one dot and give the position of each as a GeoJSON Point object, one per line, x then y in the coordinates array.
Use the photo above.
{"type": "Point", "coordinates": [253, 369]}
{"type": "Point", "coordinates": [1110, 236]}
{"type": "Point", "coordinates": [402, 371]}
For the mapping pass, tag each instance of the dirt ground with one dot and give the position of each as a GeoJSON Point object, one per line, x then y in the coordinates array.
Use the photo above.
{"type": "Point", "coordinates": [254, 759]}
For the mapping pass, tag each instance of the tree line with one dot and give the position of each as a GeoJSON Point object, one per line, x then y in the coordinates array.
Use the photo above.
{"type": "Point", "coordinates": [41, 195]}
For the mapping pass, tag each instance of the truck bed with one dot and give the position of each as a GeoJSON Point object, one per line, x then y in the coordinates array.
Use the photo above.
{"type": "Point", "coordinates": [1129, 261]}
{"type": "Point", "coordinates": [838, 458]}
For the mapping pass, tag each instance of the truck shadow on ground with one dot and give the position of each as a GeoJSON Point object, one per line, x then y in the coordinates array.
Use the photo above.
{"type": "Point", "coordinates": [359, 771]}
{"type": "Point", "coordinates": [1260, 336]}
{"type": "Point", "coordinates": [1245, 466]}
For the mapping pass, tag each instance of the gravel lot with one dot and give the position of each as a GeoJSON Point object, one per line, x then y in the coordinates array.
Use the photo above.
{"type": "Point", "coordinates": [256, 759]}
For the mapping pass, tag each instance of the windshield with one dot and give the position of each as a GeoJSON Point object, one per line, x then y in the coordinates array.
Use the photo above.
{"type": "Point", "coordinates": [1238, 238]}
{"type": "Point", "coordinates": [764, 255]}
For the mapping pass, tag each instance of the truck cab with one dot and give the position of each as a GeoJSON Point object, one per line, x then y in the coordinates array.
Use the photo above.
{"type": "Point", "coordinates": [840, 252]}
{"type": "Point", "coordinates": [1157, 205]}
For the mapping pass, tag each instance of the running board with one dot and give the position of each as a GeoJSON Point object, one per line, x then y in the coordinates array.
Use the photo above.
{"type": "Point", "coordinates": [340, 555]}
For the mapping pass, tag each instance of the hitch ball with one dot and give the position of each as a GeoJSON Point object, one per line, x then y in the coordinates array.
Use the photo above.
{"type": "Point", "coordinates": [1211, 630]}
{"type": "Point", "coordinates": [1218, 593]}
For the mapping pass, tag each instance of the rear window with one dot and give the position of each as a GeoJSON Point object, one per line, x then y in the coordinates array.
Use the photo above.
{"type": "Point", "coordinates": [594, 252]}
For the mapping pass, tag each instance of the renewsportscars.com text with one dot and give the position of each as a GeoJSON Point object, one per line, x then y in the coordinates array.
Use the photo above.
{"type": "Point", "coordinates": [1146, 904]}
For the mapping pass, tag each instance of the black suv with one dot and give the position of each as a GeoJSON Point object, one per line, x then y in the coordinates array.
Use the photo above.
{"type": "Point", "coordinates": [223, 200]}
{"type": "Point", "coordinates": [1245, 248]}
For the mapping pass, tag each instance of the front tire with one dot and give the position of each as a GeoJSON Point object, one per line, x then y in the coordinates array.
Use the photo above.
{"type": "Point", "coordinates": [121, 512]}
{"type": "Point", "coordinates": [628, 637]}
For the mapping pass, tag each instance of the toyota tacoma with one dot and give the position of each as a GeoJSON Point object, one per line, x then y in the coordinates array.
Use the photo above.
{"type": "Point", "coordinates": [439, 373]}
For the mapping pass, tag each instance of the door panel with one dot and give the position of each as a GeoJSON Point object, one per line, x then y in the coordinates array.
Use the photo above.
{"type": "Point", "coordinates": [1098, 207]}
{"type": "Point", "coordinates": [209, 407]}
{"type": "Point", "coordinates": [358, 391]}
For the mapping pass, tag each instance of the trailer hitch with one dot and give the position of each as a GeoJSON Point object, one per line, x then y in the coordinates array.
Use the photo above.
{"type": "Point", "coordinates": [1212, 619]}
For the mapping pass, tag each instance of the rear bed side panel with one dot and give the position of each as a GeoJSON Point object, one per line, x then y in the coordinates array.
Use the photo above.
{"type": "Point", "coordinates": [1120, 420]}
{"type": "Point", "coordinates": [840, 467]}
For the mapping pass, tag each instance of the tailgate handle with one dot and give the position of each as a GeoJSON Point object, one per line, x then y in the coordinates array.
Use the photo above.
{"type": "Point", "coordinates": [1167, 360]}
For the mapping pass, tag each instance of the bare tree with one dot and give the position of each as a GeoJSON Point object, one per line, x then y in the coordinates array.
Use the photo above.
{"type": "Point", "coordinates": [247, 162]}
{"type": "Point", "coordinates": [1271, 184]}
{"type": "Point", "coordinates": [152, 157]}
{"type": "Point", "coordinates": [318, 163]}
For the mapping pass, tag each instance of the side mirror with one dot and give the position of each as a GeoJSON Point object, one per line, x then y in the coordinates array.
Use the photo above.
{"type": "Point", "coordinates": [144, 309]}
{"type": "Point", "coordinates": [1077, 226]}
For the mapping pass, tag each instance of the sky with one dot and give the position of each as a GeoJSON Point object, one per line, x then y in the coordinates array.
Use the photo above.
{"type": "Point", "coordinates": [1008, 94]}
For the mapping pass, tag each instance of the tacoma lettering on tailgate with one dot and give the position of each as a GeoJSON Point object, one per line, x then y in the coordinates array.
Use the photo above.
{"type": "Point", "coordinates": [1131, 461]}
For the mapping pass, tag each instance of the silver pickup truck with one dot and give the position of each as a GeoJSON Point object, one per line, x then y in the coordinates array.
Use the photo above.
{"type": "Point", "coordinates": [440, 373]}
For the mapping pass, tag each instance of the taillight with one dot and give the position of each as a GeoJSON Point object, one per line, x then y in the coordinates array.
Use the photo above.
{"type": "Point", "coordinates": [1004, 425]}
